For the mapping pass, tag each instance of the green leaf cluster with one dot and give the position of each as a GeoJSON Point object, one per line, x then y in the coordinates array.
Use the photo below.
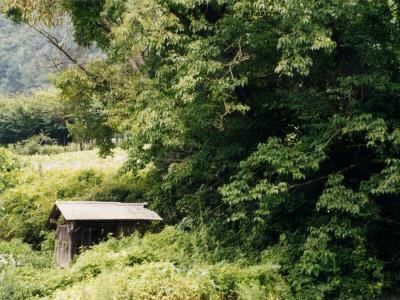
{"type": "Point", "coordinates": [273, 124]}
{"type": "Point", "coordinates": [25, 116]}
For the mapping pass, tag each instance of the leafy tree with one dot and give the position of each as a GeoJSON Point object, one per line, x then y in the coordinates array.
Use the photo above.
{"type": "Point", "coordinates": [22, 117]}
{"type": "Point", "coordinates": [275, 124]}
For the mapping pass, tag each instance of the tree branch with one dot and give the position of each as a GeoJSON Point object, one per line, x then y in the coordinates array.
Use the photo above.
{"type": "Point", "coordinates": [104, 26]}
{"type": "Point", "coordinates": [294, 186]}
{"type": "Point", "coordinates": [54, 41]}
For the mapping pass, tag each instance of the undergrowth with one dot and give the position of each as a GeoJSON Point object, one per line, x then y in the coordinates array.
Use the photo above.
{"type": "Point", "coordinates": [171, 264]}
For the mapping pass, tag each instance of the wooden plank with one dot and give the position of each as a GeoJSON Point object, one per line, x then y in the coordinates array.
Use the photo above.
{"type": "Point", "coordinates": [62, 246]}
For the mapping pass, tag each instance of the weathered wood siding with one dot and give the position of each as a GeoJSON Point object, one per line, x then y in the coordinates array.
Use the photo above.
{"type": "Point", "coordinates": [74, 236]}
{"type": "Point", "coordinates": [62, 250]}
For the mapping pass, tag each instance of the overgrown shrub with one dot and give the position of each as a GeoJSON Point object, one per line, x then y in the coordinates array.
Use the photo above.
{"type": "Point", "coordinates": [168, 265]}
{"type": "Point", "coordinates": [8, 163]}
{"type": "Point", "coordinates": [17, 253]}
{"type": "Point", "coordinates": [42, 180]}
{"type": "Point", "coordinates": [119, 188]}
{"type": "Point", "coordinates": [27, 206]}
{"type": "Point", "coordinates": [163, 280]}
{"type": "Point", "coordinates": [23, 271]}
{"type": "Point", "coordinates": [24, 116]}
{"type": "Point", "coordinates": [40, 144]}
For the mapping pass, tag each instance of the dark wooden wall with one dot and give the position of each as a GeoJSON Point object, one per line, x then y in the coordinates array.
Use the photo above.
{"type": "Point", "coordinates": [72, 236]}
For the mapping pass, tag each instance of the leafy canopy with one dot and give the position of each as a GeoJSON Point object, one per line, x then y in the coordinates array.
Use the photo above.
{"type": "Point", "coordinates": [273, 123]}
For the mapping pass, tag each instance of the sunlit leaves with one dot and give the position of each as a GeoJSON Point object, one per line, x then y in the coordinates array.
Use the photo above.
{"type": "Point", "coordinates": [336, 198]}
{"type": "Point", "coordinates": [267, 118]}
{"type": "Point", "coordinates": [8, 163]}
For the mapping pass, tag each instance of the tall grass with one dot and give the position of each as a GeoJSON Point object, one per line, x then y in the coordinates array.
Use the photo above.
{"type": "Point", "coordinates": [166, 265]}
{"type": "Point", "coordinates": [76, 160]}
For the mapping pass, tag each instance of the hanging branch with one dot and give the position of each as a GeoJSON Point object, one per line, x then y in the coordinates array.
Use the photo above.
{"type": "Point", "coordinates": [294, 186]}
{"type": "Point", "coordinates": [55, 42]}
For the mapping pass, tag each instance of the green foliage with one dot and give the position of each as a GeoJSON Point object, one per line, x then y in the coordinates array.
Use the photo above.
{"type": "Point", "coordinates": [271, 126]}
{"type": "Point", "coordinates": [23, 270]}
{"type": "Point", "coordinates": [8, 165]}
{"type": "Point", "coordinates": [33, 189]}
{"type": "Point", "coordinates": [88, 122]}
{"type": "Point", "coordinates": [93, 20]}
{"type": "Point", "coordinates": [23, 117]}
{"type": "Point", "coordinates": [38, 144]}
{"type": "Point", "coordinates": [267, 116]}
{"type": "Point", "coordinates": [169, 265]}
{"type": "Point", "coordinates": [119, 188]}
{"type": "Point", "coordinates": [16, 253]}
{"type": "Point", "coordinates": [27, 206]}
{"type": "Point", "coordinates": [337, 236]}
{"type": "Point", "coordinates": [166, 281]}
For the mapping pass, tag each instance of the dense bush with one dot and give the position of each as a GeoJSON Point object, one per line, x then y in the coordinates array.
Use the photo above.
{"type": "Point", "coordinates": [167, 265]}
{"type": "Point", "coordinates": [27, 206]}
{"type": "Point", "coordinates": [8, 164]}
{"type": "Point", "coordinates": [172, 264]}
{"type": "Point", "coordinates": [160, 268]}
{"type": "Point", "coordinates": [18, 254]}
{"type": "Point", "coordinates": [271, 126]}
{"type": "Point", "coordinates": [37, 144]}
{"type": "Point", "coordinates": [122, 187]}
{"type": "Point", "coordinates": [25, 116]}
{"type": "Point", "coordinates": [30, 191]}
{"type": "Point", "coordinates": [22, 270]}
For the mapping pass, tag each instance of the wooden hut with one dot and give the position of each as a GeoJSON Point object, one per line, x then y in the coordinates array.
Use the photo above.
{"type": "Point", "coordinates": [83, 223]}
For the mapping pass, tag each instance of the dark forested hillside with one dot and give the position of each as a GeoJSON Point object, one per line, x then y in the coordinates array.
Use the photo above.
{"type": "Point", "coordinates": [21, 66]}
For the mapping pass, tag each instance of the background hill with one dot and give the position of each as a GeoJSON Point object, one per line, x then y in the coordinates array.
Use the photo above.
{"type": "Point", "coordinates": [28, 60]}
{"type": "Point", "coordinates": [21, 66]}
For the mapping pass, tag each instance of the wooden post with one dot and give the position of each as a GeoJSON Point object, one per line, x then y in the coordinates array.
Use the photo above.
{"type": "Point", "coordinates": [72, 242]}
